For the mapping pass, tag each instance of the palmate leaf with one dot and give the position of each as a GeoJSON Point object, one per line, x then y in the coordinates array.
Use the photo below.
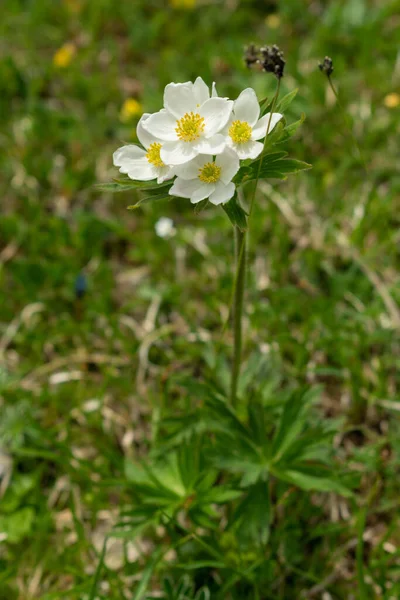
{"type": "Point", "coordinates": [181, 480]}
{"type": "Point", "coordinates": [276, 168]}
{"type": "Point", "coordinates": [304, 478]}
{"type": "Point", "coordinates": [298, 453]}
{"type": "Point", "coordinates": [249, 171]}
{"type": "Point", "coordinates": [252, 517]}
{"type": "Point", "coordinates": [292, 421]}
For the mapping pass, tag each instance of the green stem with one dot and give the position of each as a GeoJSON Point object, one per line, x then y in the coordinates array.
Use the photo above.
{"type": "Point", "coordinates": [240, 276]}
{"type": "Point", "coordinates": [240, 252]}
{"type": "Point", "coordinates": [274, 101]}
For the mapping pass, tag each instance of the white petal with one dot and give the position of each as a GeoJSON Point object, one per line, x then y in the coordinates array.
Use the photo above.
{"type": "Point", "coordinates": [201, 91]}
{"type": "Point", "coordinates": [145, 138]}
{"type": "Point", "coordinates": [212, 145]}
{"type": "Point", "coordinates": [184, 189]}
{"type": "Point", "coordinates": [161, 125]}
{"type": "Point", "coordinates": [216, 112]}
{"type": "Point", "coordinates": [177, 153]}
{"type": "Point", "coordinates": [124, 156]}
{"type": "Point", "coordinates": [248, 149]}
{"type": "Point", "coordinates": [142, 170]}
{"type": "Point", "coordinates": [132, 161]}
{"type": "Point", "coordinates": [202, 192]}
{"type": "Point", "coordinates": [214, 93]}
{"type": "Point", "coordinates": [246, 107]}
{"type": "Point", "coordinates": [190, 170]}
{"type": "Point", "coordinates": [260, 128]}
{"type": "Point", "coordinates": [229, 163]}
{"type": "Point", "coordinates": [164, 173]}
{"type": "Point", "coordinates": [179, 98]}
{"type": "Point", "coordinates": [222, 193]}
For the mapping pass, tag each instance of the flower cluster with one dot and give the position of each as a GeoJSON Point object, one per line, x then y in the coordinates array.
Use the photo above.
{"type": "Point", "coordinates": [198, 138]}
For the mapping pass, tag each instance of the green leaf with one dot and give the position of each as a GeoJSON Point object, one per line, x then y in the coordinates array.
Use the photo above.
{"type": "Point", "coordinates": [113, 187]}
{"type": "Point", "coordinates": [268, 158]}
{"type": "Point", "coordinates": [291, 129]}
{"type": "Point", "coordinates": [283, 104]}
{"type": "Point", "coordinates": [188, 462]}
{"type": "Point", "coordinates": [219, 495]}
{"type": "Point", "coordinates": [203, 594]}
{"type": "Point", "coordinates": [308, 482]}
{"type": "Point", "coordinates": [236, 213]}
{"type": "Point", "coordinates": [17, 525]}
{"type": "Point", "coordinates": [147, 573]}
{"type": "Point", "coordinates": [279, 169]}
{"type": "Point", "coordinates": [124, 185]}
{"type": "Point", "coordinates": [200, 206]}
{"type": "Point", "coordinates": [148, 199]}
{"type": "Point", "coordinates": [96, 578]}
{"type": "Point", "coordinates": [252, 518]}
{"type": "Point", "coordinates": [275, 135]}
{"type": "Point", "coordinates": [249, 173]}
{"type": "Point", "coordinates": [291, 423]}
{"type": "Point", "coordinates": [201, 564]}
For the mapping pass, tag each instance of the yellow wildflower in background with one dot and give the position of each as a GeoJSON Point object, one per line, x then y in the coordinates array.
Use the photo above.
{"type": "Point", "coordinates": [273, 21]}
{"type": "Point", "coordinates": [392, 100]}
{"type": "Point", "coordinates": [131, 108]}
{"type": "Point", "coordinates": [187, 4]}
{"type": "Point", "coordinates": [74, 6]}
{"type": "Point", "coordinates": [64, 55]}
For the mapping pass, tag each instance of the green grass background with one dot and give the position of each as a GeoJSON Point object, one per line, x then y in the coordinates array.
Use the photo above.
{"type": "Point", "coordinates": [84, 382]}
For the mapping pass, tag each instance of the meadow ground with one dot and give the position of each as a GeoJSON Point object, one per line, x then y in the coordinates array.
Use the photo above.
{"type": "Point", "coordinates": [85, 378]}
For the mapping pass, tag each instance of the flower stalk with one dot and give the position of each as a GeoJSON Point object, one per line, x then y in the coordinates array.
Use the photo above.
{"type": "Point", "coordinates": [195, 147]}
{"type": "Point", "coordinates": [237, 309]}
{"type": "Point", "coordinates": [240, 276]}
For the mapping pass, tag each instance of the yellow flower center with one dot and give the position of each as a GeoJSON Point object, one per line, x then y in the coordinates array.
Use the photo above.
{"type": "Point", "coordinates": [210, 173]}
{"type": "Point", "coordinates": [190, 127]}
{"type": "Point", "coordinates": [153, 155]}
{"type": "Point", "coordinates": [240, 132]}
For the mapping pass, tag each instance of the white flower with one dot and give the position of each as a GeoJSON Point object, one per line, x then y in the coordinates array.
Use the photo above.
{"type": "Point", "coordinates": [165, 227]}
{"type": "Point", "coordinates": [140, 164]}
{"type": "Point", "coordinates": [190, 122]}
{"type": "Point", "coordinates": [245, 128]}
{"type": "Point", "coordinates": [203, 177]}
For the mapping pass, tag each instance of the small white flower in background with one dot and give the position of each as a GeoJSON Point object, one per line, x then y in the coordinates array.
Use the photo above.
{"type": "Point", "coordinates": [143, 165]}
{"type": "Point", "coordinates": [206, 177]}
{"type": "Point", "coordinates": [245, 128]}
{"type": "Point", "coordinates": [165, 227]}
{"type": "Point", "coordinates": [190, 122]}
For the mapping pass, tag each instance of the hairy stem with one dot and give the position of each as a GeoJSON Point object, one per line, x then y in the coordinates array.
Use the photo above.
{"type": "Point", "coordinates": [237, 312]}
{"type": "Point", "coordinates": [240, 276]}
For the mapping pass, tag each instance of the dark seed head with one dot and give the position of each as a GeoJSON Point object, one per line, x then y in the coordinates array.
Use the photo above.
{"type": "Point", "coordinates": [268, 58]}
{"type": "Point", "coordinates": [272, 60]}
{"type": "Point", "coordinates": [326, 66]}
{"type": "Point", "coordinates": [251, 55]}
